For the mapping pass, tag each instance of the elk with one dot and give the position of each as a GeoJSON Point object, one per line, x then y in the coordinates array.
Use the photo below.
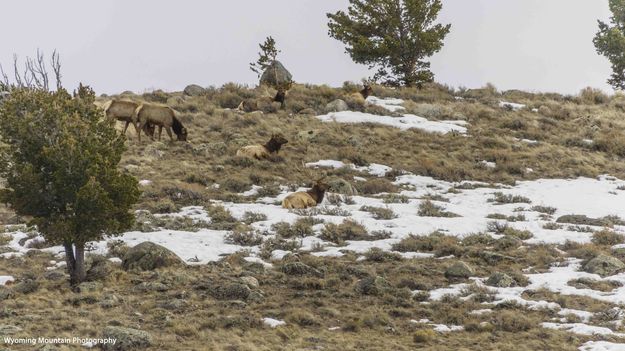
{"type": "Point", "coordinates": [123, 110]}
{"type": "Point", "coordinates": [161, 116]}
{"type": "Point", "coordinates": [263, 151]}
{"type": "Point", "coordinates": [309, 198]}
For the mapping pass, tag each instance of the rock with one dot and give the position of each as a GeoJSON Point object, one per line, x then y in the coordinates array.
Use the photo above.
{"type": "Point", "coordinates": [9, 330]}
{"type": "Point", "coordinates": [337, 105]}
{"type": "Point", "coordinates": [151, 286]}
{"type": "Point", "coordinates": [342, 186]}
{"type": "Point", "coordinates": [100, 269]}
{"type": "Point", "coordinates": [308, 135]}
{"type": "Point", "coordinates": [500, 280]}
{"type": "Point", "coordinates": [194, 90]}
{"type": "Point", "coordinates": [276, 75]}
{"type": "Point", "coordinates": [459, 270]}
{"type": "Point", "coordinates": [232, 291]}
{"type": "Point", "coordinates": [299, 268]}
{"type": "Point", "coordinates": [372, 286]}
{"type": "Point", "coordinates": [604, 265]}
{"type": "Point", "coordinates": [127, 339]}
{"type": "Point", "coordinates": [89, 287]}
{"type": "Point", "coordinates": [250, 281]}
{"type": "Point", "coordinates": [5, 294]}
{"type": "Point", "coordinates": [148, 256]}
{"type": "Point", "coordinates": [109, 301]}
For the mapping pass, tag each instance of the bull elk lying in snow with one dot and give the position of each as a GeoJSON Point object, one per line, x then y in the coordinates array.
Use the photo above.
{"type": "Point", "coordinates": [305, 199]}
{"type": "Point", "coordinates": [124, 110]}
{"type": "Point", "coordinates": [161, 116]}
{"type": "Point", "coordinates": [263, 151]}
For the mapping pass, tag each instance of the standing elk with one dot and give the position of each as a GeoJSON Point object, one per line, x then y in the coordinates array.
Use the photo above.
{"type": "Point", "coordinates": [124, 110]}
{"type": "Point", "coordinates": [161, 116]}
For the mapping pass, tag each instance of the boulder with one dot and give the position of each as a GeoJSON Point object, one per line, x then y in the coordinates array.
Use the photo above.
{"type": "Point", "coordinates": [149, 256]}
{"type": "Point", "coordinates": [459, 270]}
{"type": "Point", "coordinates": [337, 105]}
{"type": "Point", "coordinates": [342, 186]}
{"type": "Point", "coordinates": [194, 90]}
{"type": "Point", "coordinates": [9, 330]}
{"type": "Point", "coordinates": [232, 291]}
{"type": "Point", "coordinates": [100, 269]}
{"type": "Point", "coordinates": [500, 280]}
{"type": "Point", "coordinates": [277, 76]}
{"type": "Point", "coordinates": [127, 339]}
{"type": "Point", "coordinates": [604, 265]}
{"type": "Point", "coordinates": [250, 281]}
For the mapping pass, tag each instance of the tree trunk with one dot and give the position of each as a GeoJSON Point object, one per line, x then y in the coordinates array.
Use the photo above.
{"type": "Point", "coordinates": [70, 260]}
{"type": "Point", "coordinates": [75, 262]}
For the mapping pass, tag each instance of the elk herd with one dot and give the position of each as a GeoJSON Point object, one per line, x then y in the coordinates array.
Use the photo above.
{"type": "Point", "coordinates": [147, 116]}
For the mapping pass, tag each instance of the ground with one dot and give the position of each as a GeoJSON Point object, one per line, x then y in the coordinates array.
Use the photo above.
{"type": "Point", "coordinates": [457, 219]}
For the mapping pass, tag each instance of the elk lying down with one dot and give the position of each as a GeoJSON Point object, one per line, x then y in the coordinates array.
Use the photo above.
{"type": "Point", "coordinates": [263, 151]}
{"type": "Point", "coordinates": [305, 199]}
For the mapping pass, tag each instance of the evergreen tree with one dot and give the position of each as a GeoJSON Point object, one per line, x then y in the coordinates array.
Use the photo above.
{"type": "Point", "coordinates": [396, 36]}
{"type": "Point", "coordinates": [60, 161]}
{"type": "Point", "coordinates": [268, 53]}
{"type": "Point", "coordinates": [610, 42]}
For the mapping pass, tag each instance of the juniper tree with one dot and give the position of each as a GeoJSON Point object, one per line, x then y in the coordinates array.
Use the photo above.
{"type": "Point", "coordinates": [268, 53]}
{"type": "Point", "coordinates": [60, 162]}
{"type": "Point", "coordinates": [396, 36]}
{"type": "Point", "coordinates": [610, 42]}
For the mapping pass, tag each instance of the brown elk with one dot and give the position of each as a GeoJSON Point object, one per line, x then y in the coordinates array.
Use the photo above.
{"type": "Point", "coordinates": [161, 116]}
{"type": "Point", "coordinates": [263, 151]}
{"type": "Point", "coordinates": [309, 198]}
{"type": "Point", "coordinates": [123, 110]}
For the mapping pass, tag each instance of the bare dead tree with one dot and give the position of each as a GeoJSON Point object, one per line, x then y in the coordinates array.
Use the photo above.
{"type": "Point", "coordinates": [35, 73]}
{"type": "Point", "coordinates": [56, 68]}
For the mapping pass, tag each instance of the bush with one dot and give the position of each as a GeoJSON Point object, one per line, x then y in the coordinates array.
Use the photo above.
{"type": "Point", "coordinates": [347, 230]}
{"type": "Point", "coordinates": [607, 237]}
{"type": "Point", "coordinates": [251, 217]}
{"type": "Point", "coordinates": [442, 244]}
{"type": "Point", "coordinates": [428, 209]}
{"type": "Point", "coordinates": [243, 236]}
{"type": "Point", "coordinates": [376, 186]}
{"type": "Point", "coordinates": [379, 212]}
{"type": "Point", "coordinates": [501, 198]}
{"type": "Point", "coordinates": [300, 229]}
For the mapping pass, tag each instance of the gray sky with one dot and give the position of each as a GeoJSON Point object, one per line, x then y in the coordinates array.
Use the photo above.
{"type": "Point", "coordinates": [139, 45]}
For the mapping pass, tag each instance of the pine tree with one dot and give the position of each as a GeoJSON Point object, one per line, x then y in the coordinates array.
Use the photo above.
{"type": "Point", "coordinates": [610, 42]}
{"type": "Point", "coordinates": [268, 53]}
{"type": "Point", "coordinates": [60, 162]}
{"type": "Point", "coordinates": [396, 36]}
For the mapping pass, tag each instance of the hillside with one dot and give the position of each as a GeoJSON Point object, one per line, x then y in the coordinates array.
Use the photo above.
{"type": "Point", "coordinates": [456, 219]}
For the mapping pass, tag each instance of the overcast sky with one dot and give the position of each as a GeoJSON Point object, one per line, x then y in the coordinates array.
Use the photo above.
{"type": "Point", "coordinates": [140, 45]}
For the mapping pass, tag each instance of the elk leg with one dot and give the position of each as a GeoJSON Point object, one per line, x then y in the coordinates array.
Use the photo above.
{"type": "Point", "coordinates": [126, 127]}
{"type": "Point", "coordinates": [169, 133]}
{"type": "Point", "coordinates": [160, 131]}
